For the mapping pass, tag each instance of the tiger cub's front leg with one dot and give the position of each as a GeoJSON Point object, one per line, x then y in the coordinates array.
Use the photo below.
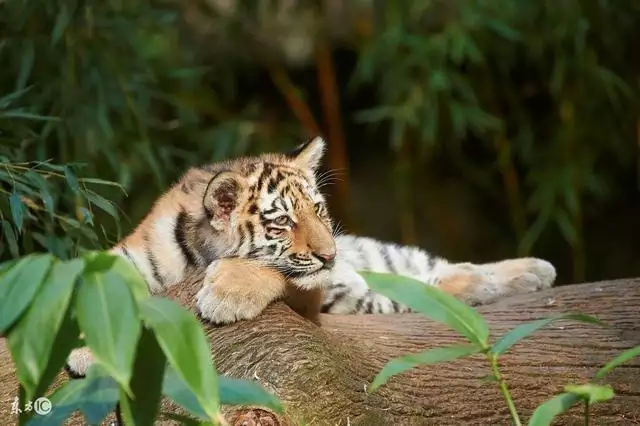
{"type": "Point", "coordinates": [236, 289]}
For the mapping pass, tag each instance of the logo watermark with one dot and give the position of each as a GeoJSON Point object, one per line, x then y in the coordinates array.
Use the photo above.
{"type": "Point", "coordinates": [41, 406]}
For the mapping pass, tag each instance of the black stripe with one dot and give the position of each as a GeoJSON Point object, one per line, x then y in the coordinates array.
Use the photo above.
{"type": "Point", "coordinates": [180, 234]}
{"type": "Point", "coordinates": [252, 235]}
{"type": "Point", "coordinates": [359, 304]}
{"type": "Point", "coordinates": [431, 261]}
{"type": "Point", "coordinates": [338, 297]}
{"type": "Point", "coordinates": [152, 260]}
{"type": "Point", "coordinates": [131, 259]}
{"type": "Point", "coordinates": [396, 307]}
{"type": "Point", "coordinates": [407, 254]}
{"type": "Point", "coordinates": [384, 252]}
{"type": "Point", "coordinates": [369, 304]}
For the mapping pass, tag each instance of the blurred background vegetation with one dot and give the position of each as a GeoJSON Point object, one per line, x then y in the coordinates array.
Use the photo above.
{"type": "Point", "coordinates": [478, 129]}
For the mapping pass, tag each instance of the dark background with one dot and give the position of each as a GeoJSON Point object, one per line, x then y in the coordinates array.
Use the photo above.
{"type": "Point", "coordinates": [478, 130]}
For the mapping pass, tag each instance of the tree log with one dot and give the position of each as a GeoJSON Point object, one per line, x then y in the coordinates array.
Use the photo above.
{"type": "Point", "coordinates": [321, 373]}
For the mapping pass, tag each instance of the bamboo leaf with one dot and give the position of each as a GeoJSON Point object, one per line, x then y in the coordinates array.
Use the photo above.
{"type": "Point", "coordinates": [625, 356]}
{"type": "Point", "coordinates": [431, 302]}
{"type": "Point", "coordinates": [401, 364]}
{"type": "Point", "coordinates": [525, 330]}
{"type": "Point", "coordinates": [547, 411]}
{"type": "Point", "coordinates": [108, 317]}
{"type": "Point", "coordinates": [43, 318]}
{"type": "Point", "coordinates": [19, 285]}
{"type": "Point", "coordinates": [186, 347]}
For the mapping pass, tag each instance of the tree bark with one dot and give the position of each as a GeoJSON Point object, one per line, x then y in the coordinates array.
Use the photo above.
{"type": "Point", "coordinates": [321, 373]}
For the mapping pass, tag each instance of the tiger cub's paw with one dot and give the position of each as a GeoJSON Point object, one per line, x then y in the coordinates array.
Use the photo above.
{"type": "Point", "coordinates": [78, 362]}
{"type": "Point", "coordinates": [237, 289]}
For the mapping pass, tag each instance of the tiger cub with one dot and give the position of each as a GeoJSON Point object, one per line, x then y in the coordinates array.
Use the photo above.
{"type": "Point", "coordinates": [260, 226]}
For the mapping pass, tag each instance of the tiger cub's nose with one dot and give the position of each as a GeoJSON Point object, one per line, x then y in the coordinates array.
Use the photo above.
{"type": "Point", "coordinates": [326, 257]}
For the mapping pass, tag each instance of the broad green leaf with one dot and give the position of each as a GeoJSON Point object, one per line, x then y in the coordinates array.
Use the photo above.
{"type": "Point", "coordinates": [19, 285]}
{"type": "Point", "coordinates": [66, 340]}
{"type": "Point", "coordinates": [98, 261]}
{"type": "Point", "coordinates": [132, 277]}
{"type": "Point", "coordinates": [146, 383]}
{"type": "Point", "coordinates": [524, 330]}
{"type": "Point", "coordinates": [108, 317]}
{"type": "Point", "coordinates": [95, 396]}
{"type": "Point", "coordinates": [431, 302]}
{"type": "Point", "coordinates": [548, 410]}
{"type": "Point", "coordinates": [591, 392]}
{"type": "Point", "coordinates": [11, 238]}
{"type": "Point", "coordinates": [245, 392]}
{"type": "Point", "coordinates": [43, 319]}
{"type": "Point", "coordinates": [432, 356]}
{"type": "Point", "coordinates": [619, 360]}
{"type": "Point", "coordinates": [17, 211]}
{"type": "Point", "coordinates": [174, 388]}
{"type": "Point", "coordinates": [184, 343]}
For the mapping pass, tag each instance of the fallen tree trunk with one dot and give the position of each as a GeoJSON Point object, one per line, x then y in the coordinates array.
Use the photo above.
{"type": "Point", "coordinates": [321, 374]}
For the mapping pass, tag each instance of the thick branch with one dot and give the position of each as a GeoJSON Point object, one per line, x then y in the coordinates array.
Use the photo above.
{"type": "Point", "coordinates": [321, 373]}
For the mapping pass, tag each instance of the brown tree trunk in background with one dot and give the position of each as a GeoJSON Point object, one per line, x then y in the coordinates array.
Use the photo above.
{"type": "Point", "coordinates": [337, 145]}
{"type": "Point", "coordinates": [321, 373]}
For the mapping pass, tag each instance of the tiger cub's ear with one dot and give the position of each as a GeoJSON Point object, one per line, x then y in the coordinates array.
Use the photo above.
{"type": "Point", "coordinates": [225, 193]}
{"type": "Point", "coordinates": [309, 155]}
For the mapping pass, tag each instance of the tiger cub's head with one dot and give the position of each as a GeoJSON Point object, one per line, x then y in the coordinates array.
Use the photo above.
{"type": "Point", "coordinates": [269, 208]}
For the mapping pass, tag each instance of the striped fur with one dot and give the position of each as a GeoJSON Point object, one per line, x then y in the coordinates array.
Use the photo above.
{"type": "Point", "coordinates": [260, 226]}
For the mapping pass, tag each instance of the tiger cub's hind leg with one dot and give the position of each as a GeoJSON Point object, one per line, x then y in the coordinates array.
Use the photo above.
{"type": "Point", "coordinates": [478, 284]}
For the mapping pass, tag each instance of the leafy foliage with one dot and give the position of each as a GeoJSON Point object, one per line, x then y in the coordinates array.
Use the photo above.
{"type": "Point", "coordinates": [139, 91]}
{"type": "Point", "coordinates": [433, 302]}
{"type": "Point", "coordinates": [144, 346]}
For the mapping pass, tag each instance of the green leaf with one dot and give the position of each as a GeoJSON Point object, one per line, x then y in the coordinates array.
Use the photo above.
{"type": "Point", "coordinates": [62, 21]}
{"type": "Point", "coordinates": [244, 392]}
{"type": "Point", "coordinates": [432, 302]}
{"type": "Point", "coordinates": [548, 410]}
{"type": "Point", "coordinates": [184, 343]}
{"type": "Point", "coordinates": [146, 383]}
{"type": "Point", "coordinates": [175, 388]}
{"type": "Point", "coordinates": [132, 277]}
{"type": "Point", "coordinates": [98, 261]}
{"type": "Point", "coordinates": [619, 360]}
{"type": "Point", "coordinates": [68, 338]}
{"type": "Point", "coordinates": [524, 330]}
{"type": "Point", "coordinates": [432, 356]}
{"type": "Point", "coordinates": [17, 211]}
{"type": "Point", "coordinates": [42, 319]}
{"type": "Point", "coordinates": [109, 319]}
{"type": "Point", "coordinates": [27, 116]}
{"type": "Point", "coordinates": [95, 396]}
{"type": "Point", "coordinates": [183, 420]}
{"type": "Point", "coordinates": [45, 195]}
{"type": "Point", "coordinates": [72, 180]}
{"type": "Point", "coordinates": [591, 392]}
{"type": "Point", "coordinates": [26, 64]}
{"type": "Point", "coordinates": [10, 236]}
{"type": "Point", "coordinates": [104, 204]}
{"type": "Point", "coordinates": [19, 285]}
{"type": "Point", "coordinates": [101, 182]}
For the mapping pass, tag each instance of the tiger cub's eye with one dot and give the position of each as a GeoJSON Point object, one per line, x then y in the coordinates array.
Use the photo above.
{"type": "Point", "coordinates": [282, 220]}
